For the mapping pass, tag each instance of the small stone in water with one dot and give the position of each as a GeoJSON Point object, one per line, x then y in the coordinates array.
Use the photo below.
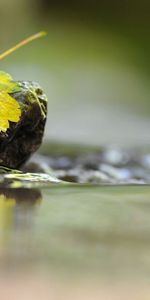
{"type": "Point", "coordinates": [115, 157]}
{"type": "Point", "coordinates": [116, 173]}
{"type": "Point", "coordinates": [90, 168]}
{"type": "Point", "coordinates": [95, 177]}
{"type": "Point", "coordinates": [145, 161]}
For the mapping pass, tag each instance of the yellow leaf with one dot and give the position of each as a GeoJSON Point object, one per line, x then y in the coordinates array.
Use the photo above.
{"type": "Point", "coordinates": [4, 77]}
{"type": "Point", "coordinates": [9, 110]}
{"type": "Point", "coordinates": [7, 84]}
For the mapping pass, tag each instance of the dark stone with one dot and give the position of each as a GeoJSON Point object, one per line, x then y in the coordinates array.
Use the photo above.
{"type": "Point", "coordinates": [24, 138]}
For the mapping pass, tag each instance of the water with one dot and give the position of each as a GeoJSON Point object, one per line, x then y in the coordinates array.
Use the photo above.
{"type": "Point", "coordinates": [55, 226]}
{"type": "Point", "coordinates": [101, 233]}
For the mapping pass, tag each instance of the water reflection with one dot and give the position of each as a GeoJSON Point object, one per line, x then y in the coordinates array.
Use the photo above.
{"type": "Point", "coordinates": [21, 195]}
{"type": "Point", "coordinates": [17, 207]}
{"type": "Point", "coordinates": [76, 228]}
{"type": "Point", "coordinates": [17, 214]}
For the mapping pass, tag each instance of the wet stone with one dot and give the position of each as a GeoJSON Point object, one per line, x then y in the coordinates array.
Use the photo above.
{"type": "Point", "coordinates": [69, 176]}
{"type": "Point", "coordinates": [115, 157]}
{"type": "Point", "coordinates": [24, 138]}
{"type": "Point", "coordinates": [89, 161]}
{"type": "Point", "coordinates": [120, 174]}
{"type": "Point", "coordinates": [37, 163]}
{"type": "Point", "coordinates": [95, 177]}
{"type": "Point", "coordinates": [63, 163]}
{"type": "Point", "coordinates": [92, 168]}
{"type": "Point", "coordinates": [145, 161]}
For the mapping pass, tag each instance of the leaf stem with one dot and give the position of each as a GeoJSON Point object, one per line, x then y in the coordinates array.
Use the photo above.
{"type": "Point", "coordinates": [22, 43]}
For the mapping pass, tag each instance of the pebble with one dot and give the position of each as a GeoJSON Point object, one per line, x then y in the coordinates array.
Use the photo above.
{"type": "Point", "coordinates": [115, 156]}
{"type": "Point", "coordinates": [95, 177]}
{"type": "Point", "coordinates": [108, 166]}
{"type": "Point", "coordinates": [116, 173]}
{"type": "Point", "coordinates": [145, 161]}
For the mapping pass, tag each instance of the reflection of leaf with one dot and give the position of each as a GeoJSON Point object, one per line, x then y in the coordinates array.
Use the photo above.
{"type": "Point", "coordinates": [9, 107]}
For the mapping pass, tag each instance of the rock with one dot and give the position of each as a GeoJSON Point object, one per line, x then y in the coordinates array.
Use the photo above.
{"type": "Point", "coordinates": [24, 138]}
{"type": "Point", "coordinates": [95, 177]}
{"type": "Point", "coordinates": [68, 175]}
{"type": "Point", "coordinates": [119, 174]}
{"type": "Point", "coordinates": [89, 161]}
{"type": "Point", "coordinates": [115, 156]}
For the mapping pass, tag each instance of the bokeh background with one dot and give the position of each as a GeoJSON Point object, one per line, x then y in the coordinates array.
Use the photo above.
{"type": "Point", "coordinates": [80, 242]}
{"type": "Point", "coordinates": [94, 65]}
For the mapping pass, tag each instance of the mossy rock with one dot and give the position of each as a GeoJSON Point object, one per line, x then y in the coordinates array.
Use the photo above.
{"type": "Point", "coordinates": [24, 138]}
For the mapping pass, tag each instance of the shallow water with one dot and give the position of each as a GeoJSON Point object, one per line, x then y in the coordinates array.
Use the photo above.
{"type": "Point", "coordinates": [73, 241]}
{"type": "Point", "coordinates": [105, 230]}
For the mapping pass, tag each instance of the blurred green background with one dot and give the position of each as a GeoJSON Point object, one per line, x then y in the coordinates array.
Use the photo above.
{"type": "Point", "coordinates": [94, 66]}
